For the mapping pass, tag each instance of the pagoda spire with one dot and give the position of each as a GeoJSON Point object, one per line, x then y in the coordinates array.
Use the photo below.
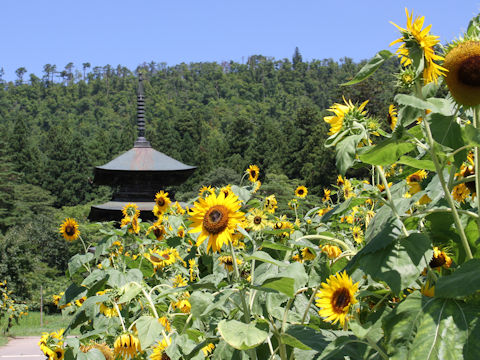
{"type": "Point", "coordinates": [141, 141]}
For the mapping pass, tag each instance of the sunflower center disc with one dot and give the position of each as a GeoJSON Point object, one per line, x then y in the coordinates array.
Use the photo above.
{"type": "Point", "coordinates": [160, 202]}
{"type": "Point", "coordinates": [341, 299]}
{"type": "Point", "coordinates": [469, 71]}
{"type": "Point", "coordinates": [257, 220]}
{"type": "Point", "coordinates": [216, 219]}
{"type": "Point", "coordinates": [69, 230]}
{"type": "Point", "coordinates": [437, 261]}
{"type": "Point", "coordinates": [158, 232]}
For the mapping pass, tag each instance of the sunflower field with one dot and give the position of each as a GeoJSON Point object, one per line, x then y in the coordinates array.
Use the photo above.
{"type": "Point", "coordinates": [384, 267]}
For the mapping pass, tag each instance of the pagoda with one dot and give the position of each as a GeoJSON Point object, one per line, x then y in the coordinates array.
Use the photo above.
{"type": "Point", "coordinates": [137, 174]}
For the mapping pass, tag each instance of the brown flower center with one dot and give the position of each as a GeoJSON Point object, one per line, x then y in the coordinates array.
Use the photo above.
{"type": "Point", "coordinates": [70, 230]}
{"type": "Point", "coordinates": [257, 220]}
{"type": "Point", "coordinates": [340, 300]}
{"type": "Point", "coordinates": [253, 174]}
{"type": "Point", "coordinates": [437, 261]}
{"type": "Point", "coordinates": [414, 178]}
{"type": "Point", "coordinates": [469, 71]}
{"type": "Point", "coordinates": [300, 192]}
{"type": "Point", "coordinates": [158, 233]}
{"type": "Point", "coordinates": [154, 258]}
{"type": "Point", "coordinates": [166, 256]}
{"type": "Point", "coordinates": [161, 202]}
{"type": "Point", "coordinates": [58, 354]}
{"type": "Point", "coordinates": [216, 219]}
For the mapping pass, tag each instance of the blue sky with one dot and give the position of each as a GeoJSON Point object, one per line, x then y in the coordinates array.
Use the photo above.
{"type": "Point", "coordinates": [129, 33]}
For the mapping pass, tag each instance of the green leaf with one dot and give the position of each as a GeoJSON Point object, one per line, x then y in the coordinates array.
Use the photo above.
{"type": "Point", "coordinates": [463, 282]}
{"type": "Point", "coordinates": [447, 132]}
{"type": "Point", "coordinates": [471, 135]}
{"type": "Point", "coordinates": [265, 257]}
{"type": "Point", "coordinates": [241, 336]}
{"type": "Point", "coordinates": [416, 163]}
{"type": "Point", "coordinates": [77, 262]}
{"type": "Point", "coordinates": [370, 67]}
{"type": "Point", "coordinates": [430, 328]}
{"type": "Point", "coordinates": [128, 292]}
{"type": "Point", "coordinates": [284, 285]}
{"type": "Point", "coordinates": [92, 354]}
{"type": "Point", "coordinates": [275, 246]}
{"type": "Point", "coordinates": [413, 101]}
{"type": "Point", "coordinates": [345, 152]}
{"type": "Point", "coordinates": [149, 330]}
{"type": "Point", "coordinates": [387, 152]}
{"type": "Point", "coordinates": [73, 292]}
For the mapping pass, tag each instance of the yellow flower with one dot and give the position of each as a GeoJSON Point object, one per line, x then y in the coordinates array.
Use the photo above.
{"type": "Point", "coordinates": [335, 298]}
{"type": "Point", "coordinates": [207, 190]}
{"type": "Point", "coordinates": [159, 349]}
{"type": "Point", "coordinates": [340, 180]}
{"type": "Point", "coordinates": [103, 347]}
{"type": "Point", "coordinates": [326, 195]}
{"type": "Point", "coordinates": [322, 212]}
{"type": "Point", "coordinates": [348, 189]}
{"type": "Point", "coordinates": [69, 229]}
{"type": "Point", "coordinates": [109, 311]}
{"type": "Point", "coordinates": [440, 258]}
{"type": "Point", "coordinates": [357, 234]}
{"type": "Point", "coordinates": [392, 117]}
{"type": "Point", "coordinates": [179, 281]}
{"type": "Point", "coordinates": [297, 258]}
{"type": "Point", "coordinates": [428, 289]}
{"type": "Point", "coordinates": [216, 218]}
{"type": "Point", "coordinates": [192, 266]}
{"type": "Point", "coordinates": [307, 254]}
{"type": "Point", "coordinates": [460, 192]}
{"type": "Point", "coordinates": [162, 258]}
{"type": "Point", "coordinates": [227, 262]}
{"type": "Point", "coordinates": [301, 191]}
{"type": "Point", "coordinates": [463, 64]}
{"type": "Point", "coordinates": [341, 111]}
{"type": "Point", "coordinates": [270, 204]}
{"type": "Point", "coordinates": [165, 323]}
{"type": "Point", "coordinates": [413, 38]}
{"type": "Point", "coordinates": [253, 171]}
{"type": "Point", "coordinates": [131, 210]}
{"type": "Point", "coordinates": [257, 184]}
{"type": "Point", "coordinates": [158, 230]}
{"type": "Point", "coordinates": [332, 251]}
{"type": "Point", "coordinates": [181, 232]}
{"type": "Point", "coordinates": [127, 346]}
{"type": "Point", "coordinates": [208, 349]}
{"type": "Point", "coordinates": [257, 220]}
{"type": "Point", "coordinates": [79, 302]}
{"type": "Point", "coordinates": [162, 201]}
{"type": "Point", "coordinates": [183, 305]}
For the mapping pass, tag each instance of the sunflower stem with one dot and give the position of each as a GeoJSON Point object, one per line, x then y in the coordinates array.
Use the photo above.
{"type": "Point", "coordinates": [310, 302]}
{"type": "Point", "coordinates": [447, 193]}
{"type": "Point", "coordinates": [476, 124]}
{"type": "Point", "coordinates": [120, 316]}
{"type": "Point", "coordinates": [149, 299]}
{"type": "Point", "coordinates": [328, 238]}
{"type": "Point", "coordinates": [391, 204]}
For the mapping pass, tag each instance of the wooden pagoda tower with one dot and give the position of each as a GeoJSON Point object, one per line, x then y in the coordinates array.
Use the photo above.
{"type": "Point", "coordinates": [137, 174]}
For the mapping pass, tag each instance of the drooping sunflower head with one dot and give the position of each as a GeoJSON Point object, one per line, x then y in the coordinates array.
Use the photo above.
{"type": "Point", "coordinates": [69, 229]}
{"type": "Point", "coordinates": [158, 230]}
{"type": "Point", "coordinates": [415, 39]}
{"type": "Point", "coordinates": [253, 171]}
{"type": "Point", "coordinates": [126, 345]}
{"type": "Point", "coordinates": [440, 259]}
{"type": "Point", "coordinates": [216, 218]}
{"type": "Point", "coordinates": [257, 219]}
{"type": "Point", "coordinates": [308, 254]}
{"type": "Point", "coordinates": [162, 201]}
{"type": "Point", "coordinates": [227, 262]}
{"type": "Point", "coordinates": [392, 117]}
{"type": "Point", "coordinates": [463, 64]}
{"type": "Point", "coordinates": [270, 204]}
{"type": "Point", "coordinates": [207, 349]}
{"type": "Point", "coordinates": [103, 347]}
{"type": "Point", "coordinates": [301, 191]}
{"type": "Point", "coordinates": [332, 251]}
{"type": "Point", "coordinates": [336, 297]}
{"type": "Point", "coordinates": [343, 113]}
{"type": "Point", "coordinates": [131, 210]}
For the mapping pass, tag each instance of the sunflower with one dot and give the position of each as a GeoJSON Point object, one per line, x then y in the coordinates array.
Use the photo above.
{"type": "Point", "coordinates": [127, 346]}
{"type": "Point", "coordinates": [162, 201]}
{"type": "Point", "coordinates": [227, 262]}
{"type": "Point", "coordinates": [440, 258]}
{"type": "Point", "coordinates": [335, 298]}
{"type": "Point", "coordinates": [348, 189]}
{"type": "Point", "coordinates": [159, 350]}
{"type": "Point", "coordinates": [216, 219]}
{"type": "Point", "coordinates": [340, 180]}
{"type": "Point", "coordinates": [322, 212]}
{"type": "Point", "coordinates": [392, 117]}
{"type": "Point", "coordinates": [301, 191]}
{"type": "Point", "coordinates": [207, 349]}
{"type": "Point", "coordinates": [463, 64]}
{"type": "Point", "coordinates": [131, 210]}
{"type": "Point", "coordinates": [428, 289]}
{"type": "Point", "coordinates": [158, 230]}
{"type": "Point", "coordinates": [341, 111]}
{"type": "Point", "coordinates": [227, 190]}
{"type": "Point", "coordinates": [181, 232]}
{"type": "Point", "coordinates": [79, 302]}
{"type": "Point", "coordinates": [69, 229]}
{"type": "Point", "coordinates": [161, 258]}
{"type": "Point", "coordinates": [326, 195]}
{"type": "Point", "coordinates": [257, 185]}
{"type": "Point", "coordinates": [414, 39]}
{"type": "Point", "coordinates": [253, 171]}
{"type": "Point", "coordinates": [165, 323]}
{"type": "Point", "coordinates": [179, 281]}
{"type": "Point", "coordinates": [183, 304]}
{"type": "Point", "coordinates": [332, 251]}
{"type": "Point", "coordinates": [58, 354]}
{"type": "Point", "coordinates": [357, 234]}
{"type": "Point", "coordinates": [467, 170]}
{"type": "Point", "coordinates": [307, 254]}
{"type": "Point", "coordinates": [103, 347]}
{"type": "Point", "coordinates": [109, 311]}
{"type": "Point", "coordinates": [192, 267]}
{"type": "Point", "coordinates": [270, 204]}
{"type": "Point", "coordinates": [257, 220]}
{"type": "Point", "coordinates": [460, 192]}
{"type": "Point", "coordinates": [207, 190]}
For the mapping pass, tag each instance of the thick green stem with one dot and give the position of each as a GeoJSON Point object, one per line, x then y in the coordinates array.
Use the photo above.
{"type": "Point", "coordinates": [304, 317]}
{"type": "Point", "coordinates": [391, 204]}
{"type": "Point", "coordinates": [476, 124]}
{"type": "Point", "coordinates": [448, 195]}
{"type": "Point", "coordinates": [328, 238]}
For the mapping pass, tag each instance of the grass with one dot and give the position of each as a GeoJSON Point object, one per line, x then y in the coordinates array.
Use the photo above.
{"type": "Point", "coordinates": [30, 326]}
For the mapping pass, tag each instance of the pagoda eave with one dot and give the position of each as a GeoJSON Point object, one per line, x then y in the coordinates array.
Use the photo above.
{"type": "Point", "coordinates": [160, 178]}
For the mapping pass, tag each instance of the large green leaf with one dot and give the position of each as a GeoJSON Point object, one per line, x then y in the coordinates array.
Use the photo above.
{"type": "Point", "coordinates": [386, 152]}
{"type": "Point", "coordinates": [77, 262]}
{"type": "Point", "coordinates": [265, 257]}
{"type": "Point", "coordinates": [463, 282]}
{"type": "Point", "coordinates": [370, 67]}
{"type": "Point", "coordinates": [241, 336]}
{"type": "Point", "coordinates": [429, 328]}
{"type": "Point", "coordinates": [92, 354]}
{"type": "Point", "coordinates": [284, 285]}
{"type": "Point", "coordinates": [447, 132]}
{"type": "Point", "coordinates": [149, 330]}
{"type": "Point", "coordinates": [129, 291]}
{"type": "Point", "coordinates": [417, 163]}
{"type": "Point", "coordinates": [346, 150]}
{"type": "Point", "coordinates": [399, 264]}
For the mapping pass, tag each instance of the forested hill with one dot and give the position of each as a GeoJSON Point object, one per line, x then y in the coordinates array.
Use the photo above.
{"type": "Point", "coordinates": [268, 112]}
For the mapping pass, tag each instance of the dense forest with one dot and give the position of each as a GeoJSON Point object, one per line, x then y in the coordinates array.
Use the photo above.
{"type": "Point", "coordinates": [58, 127]}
